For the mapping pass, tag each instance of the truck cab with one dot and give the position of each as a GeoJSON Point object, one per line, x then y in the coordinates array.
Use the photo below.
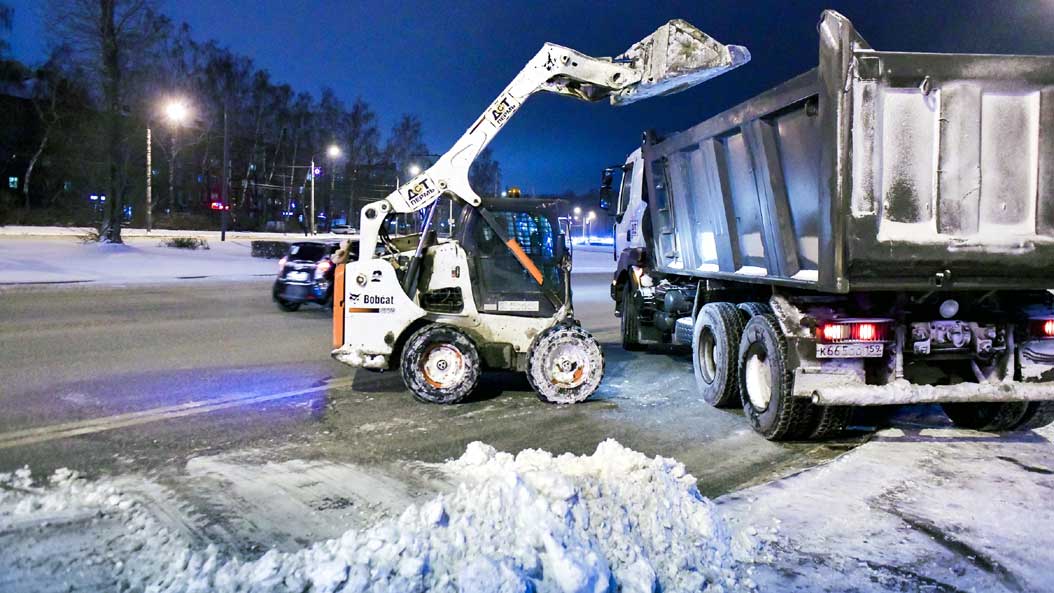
{"type": "Point", "coordinates": [627, 204]}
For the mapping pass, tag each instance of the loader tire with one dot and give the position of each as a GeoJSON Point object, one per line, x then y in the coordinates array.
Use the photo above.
{"type": "Point", "coordinates": [987, 416]}
{"type": "Point", "coordinates": [715, 346]}
{"type": "Point", "coordinates": [565, 365]}
{"type": "Point", "coordinates": [630, 321]}
{"type": "Point", "coordinates": [440, 365]}
{"type": "Point", "coordinates": [766, 382]}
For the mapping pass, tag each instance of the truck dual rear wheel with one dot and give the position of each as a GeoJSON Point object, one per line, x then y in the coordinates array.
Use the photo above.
{"type": "Point", "coordinates": [988, 416]}
{"type": "Point", "coordinates": [715, 344]}
{"type": "Point", "coordinates": [766, 382]}
{"type": "Point", "coordinates": [565, 365]}
{"type": "Point", "coordinates": [440, 365]}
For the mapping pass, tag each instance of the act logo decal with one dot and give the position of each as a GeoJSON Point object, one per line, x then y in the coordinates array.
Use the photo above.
{"type": "Point", "coordinates": [421, 190]}
{"type": "Point", "coordinates": [502, 109]}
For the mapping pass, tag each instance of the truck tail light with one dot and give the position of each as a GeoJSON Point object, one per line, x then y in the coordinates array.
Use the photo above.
{"type": "Point", "coordinates": [877, 330]}
{"type": "Point", "coordinates": [1042, 328]}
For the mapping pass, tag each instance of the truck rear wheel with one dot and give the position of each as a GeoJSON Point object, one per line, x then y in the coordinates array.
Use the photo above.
{"type": "Point", "coordinates": [1039, 414]}
{"type": "Point", "coordinates": [748, 310]}
{"type": "Point", "coordinates": [565, 365]}
{"type": "Point", "coordinates": [766, 382]}
{"type": "Point", "coordinates": [830, 421]}
{"type": "Point", "coordinates": [630, 321]}
{"type": "Point", "coordinates": [440, 365]}
{"type": "Point", "coordinates": [987, 416]}
{"type": "Point", "coordinates": [715, 345]}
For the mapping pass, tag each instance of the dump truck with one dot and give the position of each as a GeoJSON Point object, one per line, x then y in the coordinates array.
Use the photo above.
{"type": "Point", "coordinates": [878, 230]}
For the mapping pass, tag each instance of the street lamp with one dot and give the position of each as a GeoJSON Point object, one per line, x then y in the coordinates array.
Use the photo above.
{"type": "Point", "coordinates": [585, 223]}
{"type": "Point", "coordinates": [334, 153]}
{"type": "Point", "coordinates": [414, 170]}
{"type": "Point", "coordinates": [176, 112]}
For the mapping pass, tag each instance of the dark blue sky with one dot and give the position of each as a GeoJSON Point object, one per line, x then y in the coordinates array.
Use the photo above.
{"type": "Point", "coordinates": [445, 61]}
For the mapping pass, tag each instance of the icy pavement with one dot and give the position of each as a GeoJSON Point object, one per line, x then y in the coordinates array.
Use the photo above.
{"type": "Point", "coordinates": [934, 509]}
{"type": "Point", "coordinates": [614, 520]}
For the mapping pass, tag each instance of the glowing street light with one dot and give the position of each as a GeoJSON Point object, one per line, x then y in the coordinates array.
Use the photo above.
{"type": "Point", "coordinates": [415, 170]}
{"type": "Point", "coordinates": [333, 152]}
{"type": "Point", "coordinates": [176, 111]}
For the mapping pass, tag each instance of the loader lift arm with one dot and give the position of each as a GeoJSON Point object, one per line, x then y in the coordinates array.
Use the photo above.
{"type": "Point", "coordinates": [673, 58]}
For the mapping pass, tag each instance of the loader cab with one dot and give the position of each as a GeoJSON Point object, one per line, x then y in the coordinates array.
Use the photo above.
{"type": "Point", "coordinates": [628, 204]}
{"type": "Point", "coordinates": [501, 284]}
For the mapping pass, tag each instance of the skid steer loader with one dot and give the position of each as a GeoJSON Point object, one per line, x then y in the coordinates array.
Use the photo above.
{"type": "Point", "coordinates": [497, 295]}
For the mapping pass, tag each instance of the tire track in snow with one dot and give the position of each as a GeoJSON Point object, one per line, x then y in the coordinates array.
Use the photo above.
{"type": "Point", "coordinates": [64, 430]}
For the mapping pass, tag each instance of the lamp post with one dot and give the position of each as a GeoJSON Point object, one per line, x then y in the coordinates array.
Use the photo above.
{"type": "Point", "coordinates": [334, 153]}
{"type": "Point", "coordinates": [589, 219]}
{"type": "Point", "coordinates": [176, 112]}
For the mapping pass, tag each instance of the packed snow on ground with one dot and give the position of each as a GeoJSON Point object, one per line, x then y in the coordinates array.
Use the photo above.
{"type": "Point", "coordinates": [137, 260]}
{"type": "Point", "coordinates": [914, 509]}
{"type": "Point", "coordinates": [613, 520]}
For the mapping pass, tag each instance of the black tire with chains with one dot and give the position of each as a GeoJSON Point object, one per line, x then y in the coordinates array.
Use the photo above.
{"type": "Point", "coordinates": [545, 389]}
{"type": "Point", "coordinates": [413, 358]}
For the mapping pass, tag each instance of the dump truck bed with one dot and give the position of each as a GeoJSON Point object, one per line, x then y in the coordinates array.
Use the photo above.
{"type": "Point", "coordinates": [875, 170]}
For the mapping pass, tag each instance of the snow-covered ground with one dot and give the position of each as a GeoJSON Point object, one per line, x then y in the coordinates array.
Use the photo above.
{"type": "Point", "coordinates": [933, 509]}
{"type": "Point", "coordinates": [614, 520]}
{"type": "Point", "coordinates": [61, 258]}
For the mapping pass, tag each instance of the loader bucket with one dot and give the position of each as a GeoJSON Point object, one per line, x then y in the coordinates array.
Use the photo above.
{"type": "Point", "coordinates": [677, 56]}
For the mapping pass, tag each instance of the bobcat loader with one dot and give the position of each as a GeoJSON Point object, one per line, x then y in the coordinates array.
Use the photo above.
{"type": "Point", "coordinates": [497, 295]}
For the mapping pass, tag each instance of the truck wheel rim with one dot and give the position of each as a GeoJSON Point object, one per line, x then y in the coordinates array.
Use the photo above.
{"type": "Point", "coordinates": [759, 381]}
{"type": "Point", "coordinates": [443, 366]}
{"type": "Point", "coordinates": [567, 365]}
{"type": "Point", "coordinates": [707, 363]}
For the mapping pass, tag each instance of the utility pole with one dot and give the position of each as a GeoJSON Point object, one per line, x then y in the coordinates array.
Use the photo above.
{"type": "Point", "coordinates": [149, 181]}
{"type": "Point", "coordinates": [224, 190]}
{"type": "Point", "coordinates": [312, 225]}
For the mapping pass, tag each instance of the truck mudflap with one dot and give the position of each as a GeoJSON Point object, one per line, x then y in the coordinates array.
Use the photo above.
{"type": "Point", "coordinates": [904, 392]}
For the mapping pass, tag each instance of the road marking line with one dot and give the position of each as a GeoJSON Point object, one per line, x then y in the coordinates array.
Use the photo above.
{"type": "Point", "coordinates": [95, 425]}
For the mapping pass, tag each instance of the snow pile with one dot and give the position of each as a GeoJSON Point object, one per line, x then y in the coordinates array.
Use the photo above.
{"type": "Point", "coordinates": [615, 520]}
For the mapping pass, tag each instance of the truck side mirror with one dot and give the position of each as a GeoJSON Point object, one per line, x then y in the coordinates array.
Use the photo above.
{"type": "Point", "coordinates": [607, 195]}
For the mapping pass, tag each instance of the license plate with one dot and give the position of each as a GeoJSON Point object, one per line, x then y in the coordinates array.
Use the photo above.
{"type": "Point", "coordinates": [869, 350]}
{"type": "Point", "coordinates": [296, 276]}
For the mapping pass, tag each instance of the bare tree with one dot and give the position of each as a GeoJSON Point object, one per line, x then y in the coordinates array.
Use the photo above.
{"type": "Point", "coordinates": [106, 35]}
{"type": "Point", "coordinates": [405, 143]}
{"type": "Point", "coordinates": [485, 174]}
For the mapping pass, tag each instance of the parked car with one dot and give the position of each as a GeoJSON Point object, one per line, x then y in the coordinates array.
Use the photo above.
{"type": "Point", "coordinates": [305, 274]}
{"type": "Point", "coordinates": [341, 229]}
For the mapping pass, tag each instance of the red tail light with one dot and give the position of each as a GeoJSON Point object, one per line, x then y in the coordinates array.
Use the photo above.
{"type": "Point", "coordinates": [1042, 328]}
{"type": "Point", "coordinates": [323, 267]}
{"type": "Point", "coordinates": [855, 331]}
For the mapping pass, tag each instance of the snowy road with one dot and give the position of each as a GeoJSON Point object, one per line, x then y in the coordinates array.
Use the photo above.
{"type": "Point", "coordinates": [223, 421]}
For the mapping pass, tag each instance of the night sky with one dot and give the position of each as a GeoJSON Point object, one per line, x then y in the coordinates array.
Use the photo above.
{"type": "Point", "coordinates": [446, 61]}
